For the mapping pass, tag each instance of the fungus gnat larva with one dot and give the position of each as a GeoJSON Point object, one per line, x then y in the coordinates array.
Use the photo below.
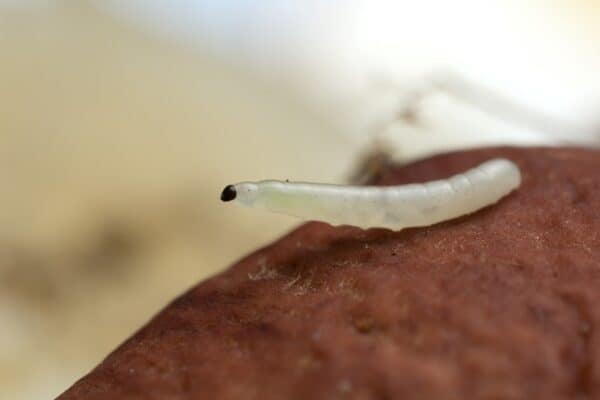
{"type": "Point", "coordinates": [392, 207]}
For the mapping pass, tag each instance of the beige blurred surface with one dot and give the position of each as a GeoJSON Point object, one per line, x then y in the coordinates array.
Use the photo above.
{"type": "Point", "coordinates": [114, 147]}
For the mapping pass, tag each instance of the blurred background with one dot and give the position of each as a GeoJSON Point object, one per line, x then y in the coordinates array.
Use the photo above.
{"type": "Point", "coordinates": [121, 121]}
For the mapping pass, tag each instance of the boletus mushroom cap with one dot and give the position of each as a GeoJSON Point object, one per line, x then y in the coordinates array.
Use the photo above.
{"type": "Point", "coordinates": [501, 304]}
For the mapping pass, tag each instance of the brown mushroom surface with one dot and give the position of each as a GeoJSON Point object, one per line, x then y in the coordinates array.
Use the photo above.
{"type": "Point", "coordinates": [500, 304]}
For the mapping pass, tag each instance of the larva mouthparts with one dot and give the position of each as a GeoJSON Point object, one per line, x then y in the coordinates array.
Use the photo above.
{"type": "Point", "coordinates": [392, 207]}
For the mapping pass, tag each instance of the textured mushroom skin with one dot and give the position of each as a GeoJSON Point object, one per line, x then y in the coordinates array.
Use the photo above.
{"type": "Point", "coordinates": [500, 304]}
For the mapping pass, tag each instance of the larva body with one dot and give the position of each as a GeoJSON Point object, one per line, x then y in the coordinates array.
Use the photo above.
{"type": "Point", "coordinates": [392, 207]}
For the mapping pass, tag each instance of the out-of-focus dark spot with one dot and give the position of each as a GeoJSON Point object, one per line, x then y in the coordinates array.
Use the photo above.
{"type": "Point", "coordinates": [111, 248]}
{"type": "Point", "coordinates": [28, 275]}
{"type": "Point", "coordinates": [363, 324]}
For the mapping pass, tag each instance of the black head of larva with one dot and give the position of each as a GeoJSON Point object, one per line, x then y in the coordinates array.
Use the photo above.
{"type": "Point", "coordinates": [228, 193]}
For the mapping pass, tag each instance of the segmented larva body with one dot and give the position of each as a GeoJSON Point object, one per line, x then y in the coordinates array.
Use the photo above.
{"type": "Point", "coordinates": [392, 207]}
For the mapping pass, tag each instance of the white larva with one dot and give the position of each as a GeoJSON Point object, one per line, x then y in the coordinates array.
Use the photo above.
{"type": "Point", "coordinates": [392, 207]}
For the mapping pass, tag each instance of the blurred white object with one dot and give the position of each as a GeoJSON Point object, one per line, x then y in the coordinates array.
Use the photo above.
{"type": "Point", "coordinates": [541, 55]}
{"type": "Point", "coordinates": [447, 112]}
